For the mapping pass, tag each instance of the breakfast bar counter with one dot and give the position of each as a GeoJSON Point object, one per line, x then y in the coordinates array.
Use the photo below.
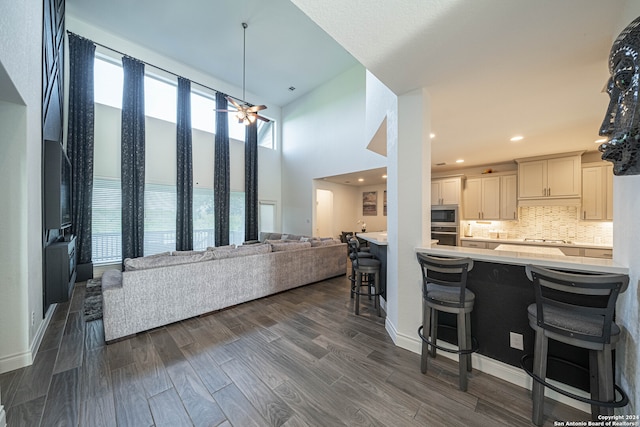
{"type": "Point", "coordinates": [503, 293]}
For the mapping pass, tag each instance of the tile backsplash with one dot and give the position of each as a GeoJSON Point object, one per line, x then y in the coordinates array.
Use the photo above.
{"type": "Point", "coordinates": [544, 222]}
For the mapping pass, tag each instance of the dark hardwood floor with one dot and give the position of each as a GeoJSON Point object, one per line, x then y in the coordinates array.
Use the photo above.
{"type": "Point", "coordinates": [299, 358]}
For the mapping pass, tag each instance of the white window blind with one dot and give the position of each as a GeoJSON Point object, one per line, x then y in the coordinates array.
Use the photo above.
{"type": "Point", "coordinates": [106, 243]}
{"type": "Point", "coordinates": [159, 218]}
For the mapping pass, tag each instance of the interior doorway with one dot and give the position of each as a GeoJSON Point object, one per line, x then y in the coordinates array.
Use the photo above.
{"type": "Point", "coordinates": [324, 213]}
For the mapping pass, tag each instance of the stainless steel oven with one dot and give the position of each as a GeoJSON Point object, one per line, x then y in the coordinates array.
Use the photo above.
{"type": "Point", "coordinates": [444, 224]}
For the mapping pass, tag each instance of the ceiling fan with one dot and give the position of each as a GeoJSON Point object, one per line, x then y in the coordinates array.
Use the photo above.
{"type": "Point", "coordinates": [245, 112]}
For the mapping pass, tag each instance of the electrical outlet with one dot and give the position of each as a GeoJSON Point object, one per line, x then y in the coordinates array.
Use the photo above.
{"type": "Point", "coordinates": [516, 341]}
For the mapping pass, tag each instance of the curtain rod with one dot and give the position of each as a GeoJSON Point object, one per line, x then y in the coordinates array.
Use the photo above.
{"type": "Point", "coordinates": [151, 65]}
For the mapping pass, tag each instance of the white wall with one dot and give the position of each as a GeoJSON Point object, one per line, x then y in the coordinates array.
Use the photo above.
{"type": "Point", "coordinates": [376, 222]}
{"type": "Point", "coordinates": [20, 173]}
{"type": "Point", "coordinates": [323, 135]}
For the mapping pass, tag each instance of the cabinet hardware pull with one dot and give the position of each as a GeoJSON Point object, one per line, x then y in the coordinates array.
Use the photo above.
{"type": "Point", "coordinates": [549, 192]}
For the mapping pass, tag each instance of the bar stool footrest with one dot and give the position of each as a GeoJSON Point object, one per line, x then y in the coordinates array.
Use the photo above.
{"type": "Point", "coordinates": [353, 290]}
{"type": "Point", "coordinates": [474, 343]}
{"type": "Point", "coordinates": [623, 401]}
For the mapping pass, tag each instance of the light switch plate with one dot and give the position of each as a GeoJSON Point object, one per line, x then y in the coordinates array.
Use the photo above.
{"type": "Point", "coordinates": [516, 341]}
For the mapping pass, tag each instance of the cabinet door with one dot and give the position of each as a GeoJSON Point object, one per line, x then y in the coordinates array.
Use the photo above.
{"type": "Point", "coordinates": [532, 179]}
{"type": "Point", "coordinates": [508, 197]}
{"type": "Point", "coordinates": [592, 193]}
{"type": "Point", "coordinates": [490, 197]}
{"type": "Point", "coordinates": [563, 177]}
{"type": "Point", "coordinates": [450, 191]}
{"type": "Point", "coordinates": [435, 192]}
{"type": "Point", "coordinates": [608, 171]}
{"type": "Point", "coordinates": [472, 206]}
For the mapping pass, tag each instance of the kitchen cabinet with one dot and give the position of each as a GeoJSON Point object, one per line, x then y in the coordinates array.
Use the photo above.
{"type": "Point", "coordinates": [482, 198]}
{"type": "Point", "coordinates": [470, 244]}
{"type": "Point", "coordinates": [446, 191]}
{"type": "Point", "coordinates": [549, 178]}
{"type": "Point", "coordinates": [597, 192]}
{"type": "Point", "coordinates": [509, 197]}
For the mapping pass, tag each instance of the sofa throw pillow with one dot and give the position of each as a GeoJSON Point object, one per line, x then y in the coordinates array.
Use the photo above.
{"type": "Point", "coordinates": [227, 247]}
{"type": "Point", "coordinates": [186, 253]}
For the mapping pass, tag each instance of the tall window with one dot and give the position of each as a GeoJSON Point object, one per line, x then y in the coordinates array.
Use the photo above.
{"type": "Point", "coordinates": [160, 191]}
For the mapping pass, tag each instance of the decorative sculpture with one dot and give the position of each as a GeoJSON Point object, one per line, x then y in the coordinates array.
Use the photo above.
{"type": "Point", "coordinates": [621, 124]}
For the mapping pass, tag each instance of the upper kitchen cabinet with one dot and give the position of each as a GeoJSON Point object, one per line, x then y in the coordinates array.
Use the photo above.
{"type": "Point", "coordinates": [550, 177]}
{"type": "Point", "coordinates": [597, 191]}
{"type": "Point", "coordinates": [481, 198]}
{"type": "Point", "coordinates": [509, 197]}
{"type": "Point", "coordinates": [446, 191]}
{"type": "Point", "coordinates": [490, 197]}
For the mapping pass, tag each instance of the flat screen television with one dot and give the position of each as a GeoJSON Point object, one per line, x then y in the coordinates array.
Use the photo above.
{"type": "Point", "coordinates": [57, 186]}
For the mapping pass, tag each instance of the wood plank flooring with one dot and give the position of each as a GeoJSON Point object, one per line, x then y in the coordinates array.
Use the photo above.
{"type": "Point", "coordinates": [299, 358]}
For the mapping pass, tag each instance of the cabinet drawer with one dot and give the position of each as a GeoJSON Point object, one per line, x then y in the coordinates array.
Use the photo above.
{"type": "Point", "coordinates": [571, 251]}
{"type": "Point", "coordinates": [598, 253]}
{"type": "Point", "coordinates": [468, 244]}
{"type": "Point", "coordinates": [491, 245]}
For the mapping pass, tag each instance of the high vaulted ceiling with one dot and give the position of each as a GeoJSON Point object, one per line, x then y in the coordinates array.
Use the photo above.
{"type": "Point", "coordinates": [493, 68]}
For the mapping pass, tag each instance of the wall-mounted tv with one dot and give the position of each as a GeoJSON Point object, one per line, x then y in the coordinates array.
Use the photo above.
{"type": "Point", "coordinates": [57, 186]}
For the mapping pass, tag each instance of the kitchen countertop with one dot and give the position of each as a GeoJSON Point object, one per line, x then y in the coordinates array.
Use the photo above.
{"type": "Point", "coordinates": [574, 263]}
{"type": "Point", "coordinates": [377, 238]}
{"type": "Point", "coordinates": [554, 244]}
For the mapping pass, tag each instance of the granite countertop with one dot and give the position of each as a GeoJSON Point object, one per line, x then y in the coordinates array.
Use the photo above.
{"type": "Point", "coordinates": [554, 244]}
{"type": "Point", "coordinates": [573, 263]}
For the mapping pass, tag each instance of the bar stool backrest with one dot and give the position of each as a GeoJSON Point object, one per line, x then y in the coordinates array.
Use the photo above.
{"type": "Point", "coordinates": [592, 295]}
{"type": "Point", "coordinates": [354, 248]}
{"type": "Point", "coordinates": [445, 272]}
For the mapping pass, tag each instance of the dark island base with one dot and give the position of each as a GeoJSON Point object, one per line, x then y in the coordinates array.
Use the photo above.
{"type": "Point", "coordinates": [503, 294]}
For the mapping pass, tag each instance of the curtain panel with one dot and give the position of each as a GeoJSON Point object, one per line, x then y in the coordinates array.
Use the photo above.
{"type": "Point", "coordinates": [221, 186]}
{"type": "Point", "coordinates": [80, 142]}
{"type": "Point", "coordinates": [251, 182]}
{"type": "Point", "coordinates": [184, 183]}
{"type": "Point", "coordinates": [132, 152]}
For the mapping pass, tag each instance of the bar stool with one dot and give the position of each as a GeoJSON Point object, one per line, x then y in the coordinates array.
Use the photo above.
{"type": "Point", "coordinates": [588, 325]}
{"type": "Point", "coordinates": [361, 254]}
{"type": "Point", "coordinates": [364, 266]}
{"type": "Point", "coordinates": [444, 288]}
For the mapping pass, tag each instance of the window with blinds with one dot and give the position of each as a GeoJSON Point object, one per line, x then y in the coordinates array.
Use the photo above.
{"type": "Point", "coordinates": [106, 240]}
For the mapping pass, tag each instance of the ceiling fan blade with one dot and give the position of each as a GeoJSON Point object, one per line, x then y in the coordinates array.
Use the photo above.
{"type": "Point", "coordinates": [256, 108]}
{"type": "Point", "coordinates": [233, 101]}
{"type": "Point", "coordinates": [264, 119]}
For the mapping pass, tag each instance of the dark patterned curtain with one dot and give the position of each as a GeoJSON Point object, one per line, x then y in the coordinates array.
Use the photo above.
{"type": "Point", "coordinates": [221, 173]}
{"type": "Point", "coordinates": [184, 183]}
{"type": "Point", "coordinates": [251, 182]}
{"type": "Point", "coordinates": [132, 150]}
{"type": "Point", "coordinates": [80, 147]}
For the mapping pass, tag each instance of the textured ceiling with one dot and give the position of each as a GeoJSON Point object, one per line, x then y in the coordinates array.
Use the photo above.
{"type": "Point", "coordinates": [284, 47]}
{"type": "Point", "coordinates": [493, 68]}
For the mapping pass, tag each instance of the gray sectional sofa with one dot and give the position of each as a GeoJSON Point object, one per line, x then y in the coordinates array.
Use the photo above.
{"type": "Point", "coordinates": [161, 289]}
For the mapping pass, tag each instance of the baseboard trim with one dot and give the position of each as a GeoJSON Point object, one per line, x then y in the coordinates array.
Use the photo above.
{"type": "Point", "coordinates": [20, 360]}
{"type": "Point", "coordinates": [504, 371]}
{"type": "Point", "coordinates": [37, 339]}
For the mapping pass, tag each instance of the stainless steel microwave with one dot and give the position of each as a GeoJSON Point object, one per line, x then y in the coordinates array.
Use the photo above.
{"type": "Point", "coordinates": [444, 215]}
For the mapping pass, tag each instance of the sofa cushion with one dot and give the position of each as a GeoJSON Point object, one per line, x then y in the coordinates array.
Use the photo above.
{"type": "Point", "coordinates": [231, 246]}
{"type": "Point", "coordinates": [241, 251]}
{"type": "Point", "coordinates": [186, 253]}
{"type": "Point", "coordinates": [325, 242]}
{"type": "Point", "coordinates": [146, 262]}
{"type": "Point", "coordinates": [289, 246]}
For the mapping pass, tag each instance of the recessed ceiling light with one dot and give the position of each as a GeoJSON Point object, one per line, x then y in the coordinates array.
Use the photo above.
{"type": "Point", "coordinates": [432, 135]}
{"type": "Point", "coordinates": [600, 141]}
{"type": "Point", "coordinates": [517, 138]}
{"type": "Point", "coordinates": [360, 179]}
{"type": "Point", "coordinates": [384, 176]}
{"type": "Point", "coordinates": [460, 161]}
